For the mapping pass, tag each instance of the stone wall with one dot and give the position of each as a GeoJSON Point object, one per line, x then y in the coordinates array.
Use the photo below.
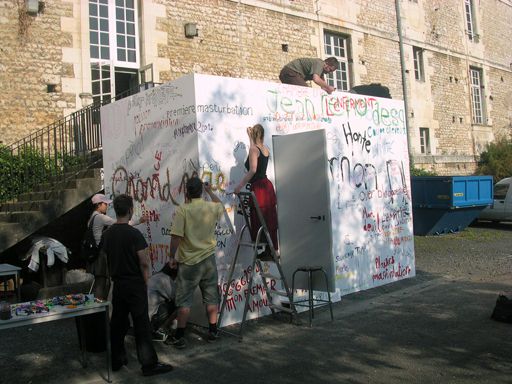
{"type": "Point", "coordinates": [500, 99]}
{"type": "Point", "coordinates": [378, 15]}
{"type": "Point", "coordinates": [381, 58]}
{"type": "Point", "coordinates": [496, 23]}
{"type": "Point", "coordinates": [451, 105]}
{"type": "Point", "coordinates": [447, 165]}
{"type": "Point", "coordinates": [235, 40]}
{"type": "Point", "coordinates": [31, 62]}
{"type": "Point", "coordinates": [444, 24]}
{"type": "Point", "coordinates": [255, 38]}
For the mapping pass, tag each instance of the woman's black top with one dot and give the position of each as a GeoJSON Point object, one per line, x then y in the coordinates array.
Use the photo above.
{"type": "Point", "coordinates": [261, 169]}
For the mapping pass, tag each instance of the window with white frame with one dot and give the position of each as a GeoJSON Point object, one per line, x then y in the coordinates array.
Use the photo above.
{"type": "Point", "coordinates": [477, 95]}
{"type": "Point", "coordinates": [101, 81]}
{"type": "Point", "coordinates": [425, 141]}
{"type": "Point", "coordinates": [337, 45]}
{"type": "Point", "coordinates": [99, 39]}
{"type": "Point", "coordinates": [113, 31]}
{"type": "Point", "coordinates": [470, 20]}
{"type": "Point", "coordinates": [113, 39]}
{"type": "Point", "coordinates": [419, 72]}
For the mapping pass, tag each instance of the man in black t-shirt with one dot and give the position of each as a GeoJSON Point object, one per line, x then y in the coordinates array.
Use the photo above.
{"type": "Point", "coordinates": [130, 268]}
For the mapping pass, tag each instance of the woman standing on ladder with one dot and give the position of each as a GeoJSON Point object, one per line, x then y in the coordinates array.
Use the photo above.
{"type": "Point", "coordinates": [256, 165]}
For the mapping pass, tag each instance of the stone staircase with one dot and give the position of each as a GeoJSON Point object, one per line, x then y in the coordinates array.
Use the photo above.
{"type": "Point", "coordinates": [31, 211]}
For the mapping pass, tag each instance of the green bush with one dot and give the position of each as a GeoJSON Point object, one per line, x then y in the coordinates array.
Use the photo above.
{"type": "Point", "coordinates": [419, 171]}
{"type": "Point", "coordinates": [496, 160]}
{"type": "Point", "coordinates": [6, 173]}
{"type": "Point", "coordinates": [21, 171]}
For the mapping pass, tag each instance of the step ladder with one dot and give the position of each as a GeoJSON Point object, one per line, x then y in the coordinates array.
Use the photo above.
{"type": "Point", "coordinates": [262, 239]}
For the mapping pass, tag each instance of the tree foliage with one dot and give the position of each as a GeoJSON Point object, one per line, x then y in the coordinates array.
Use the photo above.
{"type": "Point", "coordinates": [496, 160]}
{"type": "Point", "coordinates": [419, 171]}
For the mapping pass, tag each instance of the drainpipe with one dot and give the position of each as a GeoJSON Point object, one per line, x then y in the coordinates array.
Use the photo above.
{"type": "Point", "coordinates": [320, 36]}
{"type": "Point", "coordinates": [404, 77]}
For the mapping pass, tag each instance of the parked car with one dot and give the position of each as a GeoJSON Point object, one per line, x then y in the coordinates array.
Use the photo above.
{"type": "Point", "coordinates": [501, 210]}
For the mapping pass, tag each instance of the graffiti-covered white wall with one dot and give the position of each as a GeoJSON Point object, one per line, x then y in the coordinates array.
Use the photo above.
{"type": "Point", "coordinates": [155, 140]}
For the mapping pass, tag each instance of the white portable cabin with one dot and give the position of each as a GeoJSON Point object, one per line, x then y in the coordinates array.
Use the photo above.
{"type": "Point", "coordinates": [339, 164]}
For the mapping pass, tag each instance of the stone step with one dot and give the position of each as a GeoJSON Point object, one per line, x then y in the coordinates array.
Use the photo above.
{"type": "Point", "coordinates": [34, 205]}
{"type": "Point", "coordinates": [41, 196]}
{"type": "Point", "coordinates": [68, 180]}
{"type": "Point", "coordinates": [22, 217]}
{"type": "Point", "coordinates": [79, 174]}
{"type": "Point", "coordinates": [11, 233]}
{"type": "Point", "coordinates": [65, 184]}
{"type": "Point", "coordinates": [50, 191]}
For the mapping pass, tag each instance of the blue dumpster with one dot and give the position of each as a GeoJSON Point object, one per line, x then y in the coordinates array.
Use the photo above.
{"type": "Point", "coordinates": [447, 204]}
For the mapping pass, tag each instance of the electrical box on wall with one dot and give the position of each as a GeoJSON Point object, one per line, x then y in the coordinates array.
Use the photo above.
{"type": "Point", "coordinates": [191, 30]}
{"type": "Point", "coordinates": [32, 6]}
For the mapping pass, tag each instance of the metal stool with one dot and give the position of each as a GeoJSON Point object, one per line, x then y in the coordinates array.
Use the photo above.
{"type": "Point", "coordinates": [310, 300]}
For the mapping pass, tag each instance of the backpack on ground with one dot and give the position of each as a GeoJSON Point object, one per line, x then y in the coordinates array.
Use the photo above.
{"type": "Point", "coordinates": [503, 309]}
{"type": "Point", "coordinates": [89, 250]}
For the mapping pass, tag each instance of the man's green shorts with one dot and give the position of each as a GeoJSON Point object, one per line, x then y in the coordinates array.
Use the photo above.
{"type": "Point", "coordinates": [203, 274]}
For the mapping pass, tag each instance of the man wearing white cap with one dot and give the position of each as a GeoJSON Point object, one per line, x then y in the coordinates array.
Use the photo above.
{"type": "Point", "coordinates": [100, 221]}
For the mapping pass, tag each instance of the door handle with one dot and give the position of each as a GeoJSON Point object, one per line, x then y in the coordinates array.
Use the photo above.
{"type": "Point", "coordinates": [317, 217]}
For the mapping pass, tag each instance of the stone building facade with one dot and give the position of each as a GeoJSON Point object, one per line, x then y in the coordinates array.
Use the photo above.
{"type": "Point", "coordinates": [457, 56]}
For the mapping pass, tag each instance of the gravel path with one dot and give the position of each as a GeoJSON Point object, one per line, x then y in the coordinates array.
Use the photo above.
{"type": "Point", "coordinates": [481, 252]}
{"type": "Point", "coordinates": [433, 328]}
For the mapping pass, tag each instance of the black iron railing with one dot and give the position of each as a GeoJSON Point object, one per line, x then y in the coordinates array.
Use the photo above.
{"type": "Point", "coordinates": [56, 152]}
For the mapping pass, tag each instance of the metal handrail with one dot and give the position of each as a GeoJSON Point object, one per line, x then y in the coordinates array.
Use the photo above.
{"type": "Point", "coordinates": [62, 149]}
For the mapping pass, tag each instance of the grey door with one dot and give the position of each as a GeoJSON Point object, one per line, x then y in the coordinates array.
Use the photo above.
{"type": "Point", "coordinates": [303, 205]}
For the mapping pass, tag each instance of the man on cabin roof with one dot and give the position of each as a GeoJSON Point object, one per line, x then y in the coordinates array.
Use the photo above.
{"type": "Point", "coordinates": [298, 71]}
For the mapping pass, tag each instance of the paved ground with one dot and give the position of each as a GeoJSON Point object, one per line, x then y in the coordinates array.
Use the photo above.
{"type": "Point", "coordinates": [434, 328]}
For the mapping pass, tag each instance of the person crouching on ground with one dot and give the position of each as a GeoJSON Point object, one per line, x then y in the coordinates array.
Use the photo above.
{"type": "Point", "coordinates": [130, 268]}
{"type": "Point", "coordinates": [193, 247]}
{"type": "Point", "coordinates": [162, 309]}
